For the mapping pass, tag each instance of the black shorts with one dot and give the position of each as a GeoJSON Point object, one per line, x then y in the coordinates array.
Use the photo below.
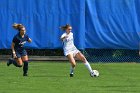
{"type": "Point", "coordinates": [19, 54]}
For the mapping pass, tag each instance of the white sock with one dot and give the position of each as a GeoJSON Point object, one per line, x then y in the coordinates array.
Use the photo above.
{"type": "Point", "coordinates": [88, 66]}
{"type": "Point", "coordinates": [72, 70]}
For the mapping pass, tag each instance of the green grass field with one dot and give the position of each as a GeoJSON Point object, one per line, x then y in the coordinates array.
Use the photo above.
{"type": "Point", "coordinates": [51, 77]}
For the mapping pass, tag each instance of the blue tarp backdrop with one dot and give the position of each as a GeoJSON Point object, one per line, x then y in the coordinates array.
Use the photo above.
{"type": "Point", "coordinates": [97, 24]}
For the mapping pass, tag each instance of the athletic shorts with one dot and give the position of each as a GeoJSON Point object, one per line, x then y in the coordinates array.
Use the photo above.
{"type": "Point", "coordinates": [74, 52]}
{"type": "Point", "coordinates": [19, 54]}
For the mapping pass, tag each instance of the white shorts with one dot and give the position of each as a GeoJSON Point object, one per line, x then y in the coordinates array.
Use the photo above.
{"type": "Point", "coordinates": [74, 52]}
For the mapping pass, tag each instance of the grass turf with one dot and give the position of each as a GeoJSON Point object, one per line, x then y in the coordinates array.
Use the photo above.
{"type": "Point", "coordinates": [50, 77]}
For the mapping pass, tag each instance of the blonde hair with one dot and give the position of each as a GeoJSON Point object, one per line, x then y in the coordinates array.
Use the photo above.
{"type": "Point", "coordinates": [17, 26]}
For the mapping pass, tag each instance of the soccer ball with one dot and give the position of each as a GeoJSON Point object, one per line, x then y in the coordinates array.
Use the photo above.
{"type": "Point", "coordinates": [94, 73]}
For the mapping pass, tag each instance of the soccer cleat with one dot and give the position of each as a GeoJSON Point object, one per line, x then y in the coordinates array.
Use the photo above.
{"type": "Point", "coordinates": [71, 75]}
{"type": "Point", "coordinates": [25, 74]}
{"type": "Point", "coordinates": [92, 74]}
{"type": "Point", "coordinates": [9, 62]}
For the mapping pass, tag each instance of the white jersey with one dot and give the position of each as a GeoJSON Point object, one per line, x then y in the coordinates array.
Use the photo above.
{"type": "Point", "coordinates": [68, 43]}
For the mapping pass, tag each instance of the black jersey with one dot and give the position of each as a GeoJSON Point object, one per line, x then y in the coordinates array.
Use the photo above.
{"type": "Point", "coordinates": [20, 41]}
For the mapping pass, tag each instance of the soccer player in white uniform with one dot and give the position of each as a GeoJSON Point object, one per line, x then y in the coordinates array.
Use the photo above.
{"type": "Point", "coordinates": [70, 51]}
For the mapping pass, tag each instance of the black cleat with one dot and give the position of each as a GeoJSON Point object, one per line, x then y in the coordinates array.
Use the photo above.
{"type": "Point", "coordinates": [71, 75]}
{"type": "Point", "coordinates": [9, 62]}
{"type": "Point", "coordinates": [25, 74]}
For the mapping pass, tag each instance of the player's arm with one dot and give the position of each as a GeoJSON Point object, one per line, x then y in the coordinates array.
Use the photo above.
{"type": "Point", "coordinates": [13, 50]}
{"type": "Point", "coordinates": [28, 39]}
{"type": "Point", "coordinates": [63, 37]}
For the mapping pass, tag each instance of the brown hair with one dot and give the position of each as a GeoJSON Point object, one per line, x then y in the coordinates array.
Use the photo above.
{"type": "Point", "coordinates": [18, 26]}
{"type": "Point", "coordinates": [65, 27]}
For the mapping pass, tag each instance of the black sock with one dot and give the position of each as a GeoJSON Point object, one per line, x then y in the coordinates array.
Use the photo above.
{"type": "Point", "coordinates": [15, 63]}
{"type": "Point", "coordinates": [25, 67]}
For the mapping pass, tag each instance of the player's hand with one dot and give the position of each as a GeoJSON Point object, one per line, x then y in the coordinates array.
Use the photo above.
{"type": "Point", "coordinates": [29, 40]}
{"type": "Point", "coordinates": [63, 38]}
{"type": "Point", "coordinates": [66, 36]}
{"type": "Point", "coordinates": [14, 55]}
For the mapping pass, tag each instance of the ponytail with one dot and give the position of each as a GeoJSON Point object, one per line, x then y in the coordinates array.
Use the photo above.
{"type": "Point", "coordinates": [17, 26]}
{"type": "Point", "coordinates": [65, 27]}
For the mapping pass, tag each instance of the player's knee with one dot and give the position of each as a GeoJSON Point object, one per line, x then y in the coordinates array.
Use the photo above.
{"type": "Point", "coordinates": [19, 65]}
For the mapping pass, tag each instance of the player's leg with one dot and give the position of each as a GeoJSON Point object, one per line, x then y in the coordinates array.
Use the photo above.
{"type": "Point", "coordinates": [15, 61]}
{"type": "Point", "coordinates": [73, 64]}
{"type": "Point", "coordinates": [25, 66]}
{"type": "Point", "coordinates": [81, 57]}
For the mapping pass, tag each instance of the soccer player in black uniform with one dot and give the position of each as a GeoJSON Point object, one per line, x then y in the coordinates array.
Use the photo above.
{"type": "Point", "coordinates": [19, 54]}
